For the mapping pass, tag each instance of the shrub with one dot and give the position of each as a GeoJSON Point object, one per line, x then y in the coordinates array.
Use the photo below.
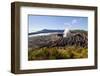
{"type": "Point", "coordinates": [67, 52]}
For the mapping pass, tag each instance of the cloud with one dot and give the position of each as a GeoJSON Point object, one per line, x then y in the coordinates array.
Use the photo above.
{"type": "Point", "coordinates": [74, 21]}
{"type": "Point", "coordinates": [67, 24]}
{"type": "Point", "coordinates": [72, 24]}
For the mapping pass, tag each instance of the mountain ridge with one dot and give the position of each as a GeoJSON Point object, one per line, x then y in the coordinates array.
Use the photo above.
{"type": "Point", "coordinates": [52, 31]}
{"type": "Point", "coordinates": [46, 31]}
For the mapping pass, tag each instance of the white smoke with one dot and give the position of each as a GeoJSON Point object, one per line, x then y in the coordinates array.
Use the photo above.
{"type": "Point", "coordinates": [66, 31]}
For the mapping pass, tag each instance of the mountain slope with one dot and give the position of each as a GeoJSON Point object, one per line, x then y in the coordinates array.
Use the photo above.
{"type": "Point", "coordinates": [46, 31]}
{"type": "Point", "coordinates": [76, 38]}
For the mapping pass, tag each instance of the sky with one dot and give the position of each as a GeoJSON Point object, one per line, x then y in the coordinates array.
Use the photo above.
{"type": "Point", "coordinates": [40, 22]}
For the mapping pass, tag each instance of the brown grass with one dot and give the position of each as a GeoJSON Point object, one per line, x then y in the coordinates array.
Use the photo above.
{"type": "Point", "coordinates": [67, 52]}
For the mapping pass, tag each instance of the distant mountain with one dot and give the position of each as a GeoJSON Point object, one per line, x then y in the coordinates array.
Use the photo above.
{"type": "Point", "coordinates": [46, 31]}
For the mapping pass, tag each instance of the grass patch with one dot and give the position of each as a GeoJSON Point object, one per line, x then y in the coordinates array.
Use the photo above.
{"type": "Point", "coordinates": [67, 52]}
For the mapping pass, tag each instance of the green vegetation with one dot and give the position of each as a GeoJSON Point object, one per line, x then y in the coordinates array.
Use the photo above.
{"type": "Point", "coordinates": [66, 52]}
{"type": "Point", "coordinates": [48, 47]}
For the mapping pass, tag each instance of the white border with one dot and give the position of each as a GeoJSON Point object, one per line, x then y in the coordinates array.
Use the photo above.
{"type": "Point", "coordinates": [25, 64]}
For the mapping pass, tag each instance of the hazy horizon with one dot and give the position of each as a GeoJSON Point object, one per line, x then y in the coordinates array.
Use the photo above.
{"type": "Point", "coordinates": [40, 22]}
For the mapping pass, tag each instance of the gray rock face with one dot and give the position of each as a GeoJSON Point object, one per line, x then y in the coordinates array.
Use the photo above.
{"type": "Point", "coordinates": [77, 38]}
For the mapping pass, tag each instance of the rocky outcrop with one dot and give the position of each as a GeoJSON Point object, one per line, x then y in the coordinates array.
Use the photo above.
{"type": "Point", "coordinates": [76, 38]}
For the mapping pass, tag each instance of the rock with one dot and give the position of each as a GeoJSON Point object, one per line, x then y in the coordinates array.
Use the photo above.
{"type": "Point", "coordinates": [76, 38]}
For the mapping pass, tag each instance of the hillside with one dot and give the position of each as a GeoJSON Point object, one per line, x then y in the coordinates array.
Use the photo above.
{"type": "Point", "coordinates": [46, 31]}
{"type": "Point", "coordinates": [76, 37]}
{"type": "Point", "coordinates": [75, 45]}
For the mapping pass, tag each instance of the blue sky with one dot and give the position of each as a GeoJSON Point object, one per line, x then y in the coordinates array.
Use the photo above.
{"type": "Point", "coordinates": [40, 22]}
